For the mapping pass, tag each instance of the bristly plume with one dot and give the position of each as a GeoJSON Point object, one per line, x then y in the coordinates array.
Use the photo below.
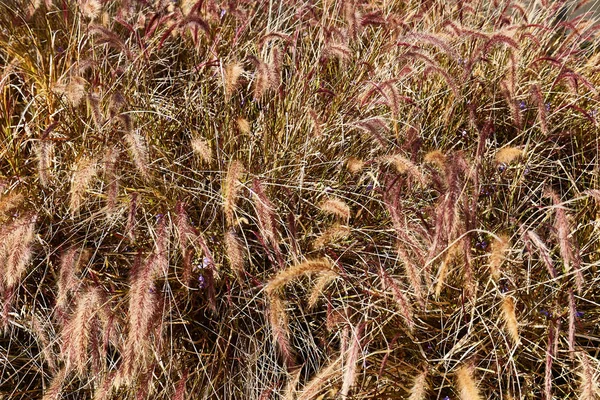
{"type": "Point", "coordinates": [400, 298]}
{"type": "Point", "coordinates": [507, 155]}
{"type": "Point", "coordinates": [568, 250]}
{"type": "Point", "coordinates": [94, 104]}
{"type": "Point", "coordinates": [466, 384]}
{"type": "Point", "coordinates": [90, 8]}
{"type": "Point", "coordinates": [234, 250]}
{"type": "Point", "coordinates": [337, 207]}
{"type": "Point", "coordinates": [316, 384]}
{"type": "Point", "coordinates": [589, 377]}
{"type": "Point", "coordinates": [451, 257]}
{"type": "Point", "coordinates": [278, 320]}
{"type": "Point", "coordinates": [8, 202]}
{"type": "Point", "coordinates": [243, 125]}
{"type": "Point", "coordinates": [79, 330]}
{"type": "Point", "coordinates": [536, 93]}
{"type": "Point", "coordinates": [510, 318]}
{"type": "Point", "coordinates": [85, 171]}
{"type": "Point", "coordinates": [405, 166]}
{"type": "Point", "coordinates": [377, 127]}
{"type": "Point", "coordinates": [131, 217]}
{"type": "Point", "coordinates": [112, 180]}
{"type": "Point", "coordinates": [420, 387]}
{"type": "Point", "coordinates": [54, 390]}
{"type": "Point", "coordinates": [139, 152]}
{"type": "Point", "coordinates": [39, 329]}
{"type": "Point", "coordinates": [180, 392]}
{"type": "Point", "coordinates": [44, 151]}
{"type": "Point", "coordinates": [261, 80]}
{"type": "Point", "coordinates": [267, 221]}
{"type": "Point", "coordinates": [572, 317]}
{"type": "Point", "coordinates": [331, 235]}
{"type": "Point", "coordinates": [201, 148]}
{"type": "Point", "coordinates": [285, 276]}
{"type": "Point", "coordinates": [16, 241]}
{"type": "Point", "coordinates": [231, 76]}
{"type": "Point", "coordinates": [412, 273]}
{"type": "Point", "coordinates": [500, 245]}
{"type": "Point", "coordinates": [231, 187]}
{"type": "Point", "coordinates": [325, 278]}
{"type": "Point", "coordinates": [354, 165]}
{"type": "Point", "coordinates": [350, 361]}
{"type": "Point", "coordinates": [67, 277]}
{"type": "Point", "coordinates": [436, 158]}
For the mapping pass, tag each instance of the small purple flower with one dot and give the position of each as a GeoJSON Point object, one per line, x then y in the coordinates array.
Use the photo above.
{"type": "Point", "coordinates": [482, 245]}
{"type": "Point", "coordinates": [544, 312]}
{"type": "Point", "coordinates": [201, 282]}
{"type": "Point", "coordinates": [206, 262]}
{"type": "Point", "coordinates": [502, 167]}
{"type": "Point", "coordinates": [579, 314]}
{"type": "Point", "coordinates": [446, 398]}
{"type": "Point", "coordinates": [526, 171]}
{"type": "Point", "coordinates": [60, 49]}
{"type": "Point", "coordinates": [522, 105]}
{"type": "Point", "coordinates": [223, 12]}
{"type": "Point", "coordinates": [547, 107]}
{"type": "Point", "coordinates": [369, 187]}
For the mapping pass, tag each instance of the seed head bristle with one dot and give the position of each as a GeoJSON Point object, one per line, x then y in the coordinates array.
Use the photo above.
{"type": "Point", "coordinates": [507, 155]}
{"type": "Point", "coordinates": [231, 76]}
{"type": "Point", "coordinates": [85, 171]}
{"type": "Point", "coordinates": [243, 125]}
{"type": "Point", "coordinates": [510, 318]}
{"type": "Point", "coordinates": [499, 247]}
{"type": "Point", "coordinates": [466, 384]}
{"type": "Point", "coordinates": [234, 251]}
{"type": "Point", "coordinates": [354, 165]}
{"type": "Point", "coordinates": [201, 148]}
{"type": "Point", "coordinates": [285, 276]}
{"type": "Point", "coordinates": [139, 152]}
{"type": "Point", "coordinates": [231, 187]}
{"type": "Point", "coordinates": [337, 207]}
{"type": "Point", "coordinates": [325, 278]}
{"type": "Point", "coordinates": [420, 387]}
{"type": "Point", "coordinates": [16, 241]}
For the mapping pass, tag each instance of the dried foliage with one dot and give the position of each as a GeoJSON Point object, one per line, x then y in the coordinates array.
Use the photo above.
{"type": "Point", "coordinates": [299, 199]}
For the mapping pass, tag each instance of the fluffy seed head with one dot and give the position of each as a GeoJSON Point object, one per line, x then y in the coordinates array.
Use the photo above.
{"type": "Point", "coordinates": [85, 171]}
{"type": "Point", "coordinates": [337, 207]}
{"type": "Point", "coordinates": [231, 75]}
{"type": "Point", "coordinates": [420, 387]}
{"type": "Point", "coordinates": [243, 125]}
{"type": "Point", "coordinates": [466, 384]}
{"type": "Point", "coordinates": [16, 240]}
{"type": "Point", "coordinates": [510, 318]}
{"type": "Point", "coordinates": [507, 155]}
{"type": "Point", "coordinates": [307, 267]}
{"type": "Point", "coordinates": [202, 149]}
{"type": "Point", "coordinates": [139, 152]}
{"type": "Point", "coordinates": [231, 187]}
{"type": "Point", "coordinates": [499, 247]}
{"type": "Point", "coordinates": [437, 158]}
{"type": "Point", "coordinates": [354, 165]}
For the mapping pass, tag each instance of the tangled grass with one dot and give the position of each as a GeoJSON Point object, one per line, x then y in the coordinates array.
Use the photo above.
{"type": "Point", "coordinates": [299, 199]}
